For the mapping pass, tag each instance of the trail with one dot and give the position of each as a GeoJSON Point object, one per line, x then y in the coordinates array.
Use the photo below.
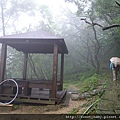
{"type": "Point", "coordinates": [68, 109]}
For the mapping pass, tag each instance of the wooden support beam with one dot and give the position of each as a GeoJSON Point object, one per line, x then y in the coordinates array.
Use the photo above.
{"type": "Point", "coordinates": [45, 84]}
{"type": "Point", "coordinates": [25, 66]}
{"type": "Point", "coordinates": [61, 72]}
{"type": "Point", "coordinates": [27, 89]}
{"type": "Point", "coordinates": [3, 61]}
{"type": "Point", "coordinates": [53, 92]}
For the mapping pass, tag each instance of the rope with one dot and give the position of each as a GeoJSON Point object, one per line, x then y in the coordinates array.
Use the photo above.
{"type": "Point", "coordinates": [15, 94]}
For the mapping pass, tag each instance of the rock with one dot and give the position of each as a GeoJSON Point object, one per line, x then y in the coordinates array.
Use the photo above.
{"type": "Point", "coordinates": [75, 96]}
{"type": "Point", "coordinates": [97, 91]}
{"type": "Point", "coordinates": [81, 97]}
{"type": "Point", "coordinates": [87, 95]}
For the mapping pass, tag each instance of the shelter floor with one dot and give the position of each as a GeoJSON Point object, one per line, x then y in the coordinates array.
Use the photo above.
{"type": "Point", "coordinates": [37, 96]}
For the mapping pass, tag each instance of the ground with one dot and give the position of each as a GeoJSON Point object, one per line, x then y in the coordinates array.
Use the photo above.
{"type": "Point", "coordinates": [76, 107]}
{"type": "Point", "coordinates": [49, 109]}
{"type": "Point", "coordinates": [69, 109]}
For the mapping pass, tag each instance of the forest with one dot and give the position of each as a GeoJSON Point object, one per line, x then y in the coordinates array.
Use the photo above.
{"type": "Point", "coordinates": [89, 42]}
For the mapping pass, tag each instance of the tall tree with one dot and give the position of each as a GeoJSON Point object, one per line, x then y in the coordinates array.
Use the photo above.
{"type": "Point", "coordinates": [12, 9]}
{"type": "Point", "coordinates": [109, 13]}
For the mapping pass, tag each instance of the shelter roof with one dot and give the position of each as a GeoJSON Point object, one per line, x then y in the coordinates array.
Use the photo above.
{"type": "Point", "coordinates": [38, 41]}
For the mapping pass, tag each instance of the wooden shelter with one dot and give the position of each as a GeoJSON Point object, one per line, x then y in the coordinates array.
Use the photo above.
{"type": "Point", "coordinates": [34, 42]}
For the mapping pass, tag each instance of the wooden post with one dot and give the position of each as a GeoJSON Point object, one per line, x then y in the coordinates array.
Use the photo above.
{"type": "Point", "coordinates": [25, 66]}
{"type": "Point", "coordinates": [61, 72]}
{"type": "Point", "coordinates": [27, 90]}
{"type": "Point", "coordinates": [3, 61]}
{"type": "Point", "coordinates": [53, 93]}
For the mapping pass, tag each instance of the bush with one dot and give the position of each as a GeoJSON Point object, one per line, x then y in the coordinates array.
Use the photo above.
{"type": "Point", "coordinates": [89, 83]}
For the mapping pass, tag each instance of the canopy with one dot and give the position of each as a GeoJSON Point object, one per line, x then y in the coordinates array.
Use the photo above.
{"type": "Point", "coordinates": [35, 42]}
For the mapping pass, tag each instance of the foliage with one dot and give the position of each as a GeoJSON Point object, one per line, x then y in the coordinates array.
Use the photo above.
{"type": "Point", "coordinates": [109, 11]}
{"type": "Point", "coordinates": [74, 111]}
{"type": "Point", "coordinates": [40, 66]}
{"type": "Point", "coordinates": [85, 81]}
{"type": "Point", "coordinates": [12, 10]}
{"type": "Point", "coordinates": [89, 83]}
{"type": "Point", "coordinates": [79, 76]}
{"type": "Point", "coordinates": [79, 37]}
{"type": "Point", "coordinates": [104, 13]}
{"type": "Point", "coordinates": [94, 108]}
{"type": "Point", "coordinates": [14, 64]}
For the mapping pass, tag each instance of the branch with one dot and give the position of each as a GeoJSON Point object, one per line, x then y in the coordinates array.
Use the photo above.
{"type": "Point", "coordinates": [86, 21]}
{"type": "Point", "coordinates": [93, 23]}
{"type": "Point", "coordinates": [117, 3]}
{"type": "Point", "coordinates": [111, 26]}
{"type": "Point", "coordinates": [103, 28]}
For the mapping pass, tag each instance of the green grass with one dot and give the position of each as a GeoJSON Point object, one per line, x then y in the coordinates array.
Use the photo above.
{"type": "Point", "coordinates": [74, 111]}
{"type": "Point", "coordinates": [89, 83]}
{"type": "Point", "coordinates": [86, 82]}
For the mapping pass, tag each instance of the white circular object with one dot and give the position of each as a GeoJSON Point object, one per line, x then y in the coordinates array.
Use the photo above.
{"type": "Point", "coordinates": [15, 94]}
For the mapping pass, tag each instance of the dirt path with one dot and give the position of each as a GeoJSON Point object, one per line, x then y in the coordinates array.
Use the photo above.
{"type": "Point", "coordinates": [72, 104]}
{"type": "Point", "coordinates": [49, 109]}
{"type": "Point", "coordinates": [69, 109]}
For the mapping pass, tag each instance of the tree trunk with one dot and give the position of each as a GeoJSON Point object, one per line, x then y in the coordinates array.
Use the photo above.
{"type": "Point", "coordinates": [97, 48]}
{"type": "Point", "coordinates": [3, 21]}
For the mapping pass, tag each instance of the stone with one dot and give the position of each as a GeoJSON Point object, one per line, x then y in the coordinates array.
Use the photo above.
{"type": "Point", "coordinates": [75, 96]}
{"type": "Point", "coordinates": [81, 97]}
{"type": "Point", "coordinates": [96, 91]}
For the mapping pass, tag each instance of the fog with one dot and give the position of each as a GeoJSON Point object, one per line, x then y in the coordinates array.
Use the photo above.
{"type": "Point", "coordinates": [25, 17]}
{"type": "Point", "coordinates": [87, 44]}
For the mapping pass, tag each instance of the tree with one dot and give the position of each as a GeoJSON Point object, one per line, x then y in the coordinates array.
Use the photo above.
{"type": "Point", "coordinates": [91, 55]}
{"type": "Point", "coordinates": [98, 13]}
{"type": "Point", "coordinates": [11, 11]}
{"type": "Point", "coordinates": [10, 15]}
{"type": "Point", "coordinates": [108, 11]}
{"type": "Point", "coordinates": [46, 19]}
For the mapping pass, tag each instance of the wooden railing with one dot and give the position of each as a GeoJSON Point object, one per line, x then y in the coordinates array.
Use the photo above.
{"type": "Point", "coordinates": [25, 86]}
